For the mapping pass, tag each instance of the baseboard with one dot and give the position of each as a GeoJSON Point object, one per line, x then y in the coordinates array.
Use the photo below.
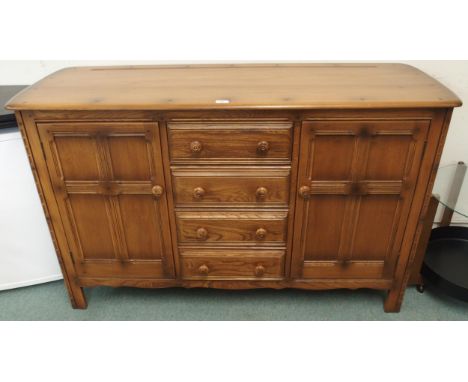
{"type": "Point", "coordinates": [40, 280]}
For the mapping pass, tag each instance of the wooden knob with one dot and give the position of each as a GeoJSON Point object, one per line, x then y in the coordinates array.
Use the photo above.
{"type": "Point", "coordinates": [157, 191]}
{"type": "Point", "coordinates": [196, 146]}
{"type": "Point", "coordinates": [202, 233]}
{"type": "Point", "coordinates": [259, 270]}
{"type": "Point", "coordinates": [198, 192]}
{"type": "Point", "coordinates": [203, 269]}
{"type": "Point", "coordinates": [261, 193]}
{"type": "Point", "coordinates": [304, 191]}
{"type": "Point", "coordinates": [260, 233]}
{"type": "Point", "coordinates": [263, 147]}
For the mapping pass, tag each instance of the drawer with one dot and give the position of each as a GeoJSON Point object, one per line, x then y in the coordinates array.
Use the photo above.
{"type": "Point", "coordinates": [232, 227]}
{"type": "Point", "coordinates": [234, 187]}
{"type": "Point", "coordinates": [230, 263]}
{"type": "Point", "coordinates": [230, 141]}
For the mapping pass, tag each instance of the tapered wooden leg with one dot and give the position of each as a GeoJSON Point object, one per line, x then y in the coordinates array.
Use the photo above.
{"type": "Point", "coordinates": [76, 295]}
{"type": "Point", "coordinates": [393, 301]}
{"type": "Point", "coordinates": [415, 277]}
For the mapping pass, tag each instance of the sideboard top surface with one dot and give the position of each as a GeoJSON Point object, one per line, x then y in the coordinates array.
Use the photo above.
{"type": "Point", "coordinates": [259, 86]}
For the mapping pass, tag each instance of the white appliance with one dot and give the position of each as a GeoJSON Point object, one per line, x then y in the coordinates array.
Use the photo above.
{"type": "Point", "coordinates": [27, 255]}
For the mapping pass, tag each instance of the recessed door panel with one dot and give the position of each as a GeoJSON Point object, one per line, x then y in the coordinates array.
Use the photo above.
{"type": "Point", "coordinates": [375, 227]}
{"type": "Point", "coordinates": [89, 215]}
{"type": "Point", "coordinates": [129, 157]}
{"type": "Point", "coordinates": [76, 157]}
{"type": "Point", "coordinates": [335, 153]}
{"type": "Point", "coordinates": [142, 216]}
{"type": "Point", "coordinates": [323, 226]}
{"type": "Point", "coordinates": [104, 176]}
{"type": "Point", "coordinates": [388, 157]}
{"type": "Point", "coordinates": [355, 185]}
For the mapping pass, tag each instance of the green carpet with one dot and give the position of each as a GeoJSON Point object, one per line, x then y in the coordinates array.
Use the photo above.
{"type": "Point", "coordinates": [50, 302]}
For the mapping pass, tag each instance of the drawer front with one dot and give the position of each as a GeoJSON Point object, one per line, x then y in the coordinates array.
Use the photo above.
{"type": "Point", "coordinates": [227, 263]}
{"type": "Point", "coordinates": [255, 228]}
{"type": "Point", "coordinates": [235, 187]}
{"type": "Point", "coordinates": [230, 141]}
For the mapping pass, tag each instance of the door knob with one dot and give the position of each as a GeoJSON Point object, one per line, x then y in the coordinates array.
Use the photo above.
{"type": "Point", "coordinates": [259, 270]}
{"type": "Point", "coordinates": [157, 191]}
{"type": "Point", "coordinates": [198, 192]}
{"type": "Point", "coordinates": [196, 146]}
{"type": "Point", "coordinates": [304, 191]}
{"type": "Point", "coordinates": [261, 193]}
{"type": "Point", "coordinates": [202, 233]}
{"type": "Point", "coordinates": [203, 269]}
{"type": "Point", "coordinates": [263, 147]}
{"type": "Point", "coordinates": [260, 233]}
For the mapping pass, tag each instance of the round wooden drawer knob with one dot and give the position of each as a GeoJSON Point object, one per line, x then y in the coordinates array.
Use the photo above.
{"type": "Point", "coordinates": [198, 192]}
{"type": "Point", "coordinates": [157, 191]}
{"type": "Point", "coordinates": [261, 193]}
{"type": "Point", "coordinates": [203, 269]}
{"type": "Point", "coordinates": [196, 147]}
{"type": "Point", "coordinates": [263, 147]}
{"type": "Point", "coordinates": [202, 233]}
{"type": "Point", "coordinates": [259, 270]}
{"type": "Point", "coordinates": [260, 234]}
{"type": "Point", "coordinates": [304, 192]}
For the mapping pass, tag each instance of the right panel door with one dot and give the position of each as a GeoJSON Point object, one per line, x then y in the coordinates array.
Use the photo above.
{"type": "Point", "coordinates": [355, 186]}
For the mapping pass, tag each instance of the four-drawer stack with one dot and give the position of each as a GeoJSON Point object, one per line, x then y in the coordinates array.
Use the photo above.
{"type": "Point", "coordinates": [231, 182]}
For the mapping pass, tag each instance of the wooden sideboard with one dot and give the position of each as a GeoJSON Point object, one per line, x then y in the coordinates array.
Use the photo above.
{"type": "Point", "coordinates": [236, 176]}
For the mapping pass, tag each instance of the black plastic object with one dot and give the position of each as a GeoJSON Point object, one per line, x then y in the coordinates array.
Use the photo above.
{"type": "Point", "coordinates": [446, 263]}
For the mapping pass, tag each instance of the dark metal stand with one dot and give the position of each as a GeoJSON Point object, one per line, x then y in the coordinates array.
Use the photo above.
{"type": "Point", "coordinates": [442, 254]}
{"type": "Point", "coordinates": [445, 266]}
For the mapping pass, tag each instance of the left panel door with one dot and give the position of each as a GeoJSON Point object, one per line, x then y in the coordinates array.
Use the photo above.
{"type": "Point", "coordinates": [109, 184]}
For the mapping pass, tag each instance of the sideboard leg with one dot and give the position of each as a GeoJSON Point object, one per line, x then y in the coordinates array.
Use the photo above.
{"type": "Point", "coordinates": [393, 301]}
{"type": "Point", "coordinates": [415, 278]}
{"type": "Point", "coordinates": [77, 296]}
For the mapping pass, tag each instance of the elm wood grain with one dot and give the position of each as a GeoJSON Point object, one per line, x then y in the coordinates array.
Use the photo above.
{"type": "Point", "coordinates": [107, 178]}
{"type": "Point", "coordinates": [170, 194]}
{"type": "Point", "coordinates": [44, 187]}
{"type": "Point", "coordinates": [363, 269]}
{"type": "Point", "coordinates": [232, 263]}
{"type": "Point", "coordinates": [292, 191]}
{"type": "Point", "coordinates": [230, 142]}
{"type": "Point", "coordinates": [262, 86]}
{"type": "Point", "coordinates": [356, 180]}
{"type": "Point", "coordinates": [422, 196]}
{"type": "Point", "coordinates": [366, 203]}
{"type": "Point", "coordinates": [240, 186]}
{"type": "Point", "coordinates": [235, 116]}
{"type": "Point", "coordinates": [380, 284]}
{"type": "Point", "coordinates": [415, 277]}
{"type": "Point", "coordinates": [119, 268]}
{"type": "Point", "coordinates": [233, 227]}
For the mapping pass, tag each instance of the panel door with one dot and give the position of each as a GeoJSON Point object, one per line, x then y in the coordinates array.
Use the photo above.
{"type": "Point", "coordinates": [109, 184]}
{"type": "Point", "coordinates": [355, 185]}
